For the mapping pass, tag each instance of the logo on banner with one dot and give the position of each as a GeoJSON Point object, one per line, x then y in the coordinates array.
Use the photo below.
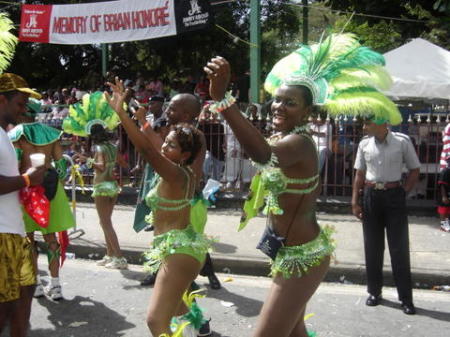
{"type": "Point", "coordinates": [196, 16]}
{"type": "Point", "coordinates": [195, 8]}
{"type": "Point", "coordinates": [32, 21]}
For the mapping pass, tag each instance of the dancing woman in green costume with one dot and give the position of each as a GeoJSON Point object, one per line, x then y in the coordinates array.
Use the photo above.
{"type": "Point", "coordinates": [105, 192]}
{"type": "Point", "coordinates": [343, 77]}
{"type": "Point", "coordinates": [178, 251]}
{"type": "Point", "coordinates": [93, 117]}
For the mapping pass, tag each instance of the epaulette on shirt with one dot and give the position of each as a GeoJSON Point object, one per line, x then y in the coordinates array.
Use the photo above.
{"type": "Point", "coordinates": [364, 140]}
{"type": "Point", "coordinates": [401, 135]}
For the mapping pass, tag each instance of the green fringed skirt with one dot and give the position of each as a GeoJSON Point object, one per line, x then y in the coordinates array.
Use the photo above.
{"type": "Point", "coordinates": [177, 241]}
{"type": "Point", "coordinates": [295, 261]}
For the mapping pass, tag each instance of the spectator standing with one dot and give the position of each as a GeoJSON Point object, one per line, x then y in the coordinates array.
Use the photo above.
{"type": "Point", "coordinates": [214, 132]}
{"type": "Point", "coordinates": [155, 87]}
{"type": "Point", "coordinates": [155, 108]}
{"type": "Point", "coordinates": [321, 132]}
{"type": "Point", "coordinates": [202, 89]}
{"type": "Point", "coordinates": [379, 163]}
{"type": "Point", "coordinates": [445, 147]}
{"type": "Point", "coordinates": [444, 197]}
{"type": "Point", "coordinates": [233, 160]}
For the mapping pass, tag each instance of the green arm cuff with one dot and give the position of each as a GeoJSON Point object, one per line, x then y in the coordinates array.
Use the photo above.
{"type": "Point", "coordinates": [61, 168]}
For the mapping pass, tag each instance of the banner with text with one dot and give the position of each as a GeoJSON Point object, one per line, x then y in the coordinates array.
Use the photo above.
{"type": "Point", "coordinates": [113, 21]}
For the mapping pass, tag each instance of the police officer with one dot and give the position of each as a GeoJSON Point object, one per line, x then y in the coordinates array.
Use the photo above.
{"type": "Point", "coordinates": [379, 163]}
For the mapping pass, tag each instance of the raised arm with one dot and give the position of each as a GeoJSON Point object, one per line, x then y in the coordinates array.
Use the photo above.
{"type": "Point", "coordinates": [164, 167]}
{"type": "Point", "coordinates": [154, 137]}
{"type": "Point", "coordinates": [218, 71]}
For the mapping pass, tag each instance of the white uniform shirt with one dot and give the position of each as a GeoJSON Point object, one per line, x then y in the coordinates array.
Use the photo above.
{"type": "Point", "coordinates": [10, 209]}
{"type": "Point", "coordinates": [384, 161]}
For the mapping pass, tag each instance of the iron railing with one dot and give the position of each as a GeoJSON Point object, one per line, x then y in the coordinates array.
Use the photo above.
{"type": "Point", "coordinates": [228, 163]}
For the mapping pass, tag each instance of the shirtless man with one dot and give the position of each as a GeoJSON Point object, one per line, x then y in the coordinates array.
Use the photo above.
{"type": "Point", "coordinates": [32, 137]}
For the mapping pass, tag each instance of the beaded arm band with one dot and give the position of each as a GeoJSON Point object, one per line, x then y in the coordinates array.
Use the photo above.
{"type": "Point", "coordinates": [224, 104]}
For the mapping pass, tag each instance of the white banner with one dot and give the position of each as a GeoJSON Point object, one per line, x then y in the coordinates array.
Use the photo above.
{"type": "Point", "coordinates": [101, 22]}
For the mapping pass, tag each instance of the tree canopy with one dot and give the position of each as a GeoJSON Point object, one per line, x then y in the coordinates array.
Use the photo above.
{"type": "Point", "coordinates": [50, 65]}
{"type": "Point", "coordinates": [386, 24]}
{"type": "Point", "coordinates": [380, 24]}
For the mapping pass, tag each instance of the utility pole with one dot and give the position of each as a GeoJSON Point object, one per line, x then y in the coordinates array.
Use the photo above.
{"type": "Point", "coordinates": [255, 50]}
{"type": "Point", "coordinates": [305, 21]}
{"type": "Point", "coordinates": [105, 57]}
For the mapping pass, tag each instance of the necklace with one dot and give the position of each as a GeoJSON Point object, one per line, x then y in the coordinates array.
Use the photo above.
{"type": "Point", "coordinates": [298, 130]}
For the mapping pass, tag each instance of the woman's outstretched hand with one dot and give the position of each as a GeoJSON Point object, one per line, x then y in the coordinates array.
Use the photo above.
{"type": "Point", "coordinates": [118, 95]}
{"type": "Point", "coordinates": [218, 72]}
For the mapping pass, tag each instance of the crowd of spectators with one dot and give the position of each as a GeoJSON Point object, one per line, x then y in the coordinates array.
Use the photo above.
{"type": "Point", "coordinates": [225, 160]}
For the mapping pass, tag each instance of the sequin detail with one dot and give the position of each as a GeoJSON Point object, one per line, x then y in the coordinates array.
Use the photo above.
{"type": "Point", "coordinates": [177, 241]}
{"type": "Point", "coordinates": [297, 260]}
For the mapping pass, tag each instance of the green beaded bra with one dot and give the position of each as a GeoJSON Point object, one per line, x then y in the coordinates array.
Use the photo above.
{"type": "Point", "coordinates": [155, 201]}
{"type": "Point", "coordinates": [270, 182]}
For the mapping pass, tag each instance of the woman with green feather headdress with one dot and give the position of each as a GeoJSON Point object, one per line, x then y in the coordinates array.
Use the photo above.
{"type": "Point", "coordinates": [94, 117]}
{"type": "Point", "coordinates": [344, 78]}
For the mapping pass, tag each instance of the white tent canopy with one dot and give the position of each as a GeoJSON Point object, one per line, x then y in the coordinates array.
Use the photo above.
{"type": "Point", "coordinates": [419, 69]}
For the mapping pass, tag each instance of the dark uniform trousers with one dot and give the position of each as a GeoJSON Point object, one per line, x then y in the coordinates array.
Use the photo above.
{"type": "Point", "coordinates": [386, 209]}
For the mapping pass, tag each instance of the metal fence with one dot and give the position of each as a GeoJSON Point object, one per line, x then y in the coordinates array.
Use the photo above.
{"type": "Point", "coordinates": [227, 162]}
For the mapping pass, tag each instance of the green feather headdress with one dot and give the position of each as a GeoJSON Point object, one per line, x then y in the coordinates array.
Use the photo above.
{"type": "Point", "coordinates": [343, 76]}
{"type": "Point", "coordinates": [93, 109]}
{"type": "Point", "coordinates": [8, 42]}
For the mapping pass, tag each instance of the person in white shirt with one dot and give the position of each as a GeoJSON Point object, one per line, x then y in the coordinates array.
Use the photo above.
{"type": "Point", "coordinates": [17, 274]}
{"type": "Point", "coordinates": [321, 132]}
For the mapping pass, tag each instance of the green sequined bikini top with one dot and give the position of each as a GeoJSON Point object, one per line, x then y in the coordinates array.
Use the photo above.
{"type": "Point", "coordinates": [275, 182]}
{"type": "Point", "coordinates": [155, 202]}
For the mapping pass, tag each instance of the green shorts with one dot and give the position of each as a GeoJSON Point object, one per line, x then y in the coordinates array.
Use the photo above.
{"type": "Point", "coordinates": [297, 260]}
{"type": "Point", "coordinates": [177, 241]}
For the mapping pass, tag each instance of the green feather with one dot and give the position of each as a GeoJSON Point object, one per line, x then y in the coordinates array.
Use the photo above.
{"type": "Point", "coordinates": [8, 42]}
{"type": "Point", "coordinates": [363, 101]}
{"type": "Point", "coordinates": [372, 76]}
{"type": "Point", "coordinates": [344, 76]}
{"type": "Point", "coordinates": [92, 107]}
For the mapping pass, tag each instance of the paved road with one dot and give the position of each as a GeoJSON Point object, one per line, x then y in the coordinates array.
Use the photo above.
{"type": "Point", "coordinates": [109, 303]}
{"type": "Point", "coordinates": [235, 251]}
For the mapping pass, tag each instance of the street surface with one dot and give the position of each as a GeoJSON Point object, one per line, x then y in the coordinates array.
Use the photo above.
{"type": "Point", "coordinates": [108, 303]}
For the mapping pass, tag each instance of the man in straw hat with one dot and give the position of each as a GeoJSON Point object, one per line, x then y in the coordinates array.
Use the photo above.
{"type": "Point", "coordinates": [17, 274]}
